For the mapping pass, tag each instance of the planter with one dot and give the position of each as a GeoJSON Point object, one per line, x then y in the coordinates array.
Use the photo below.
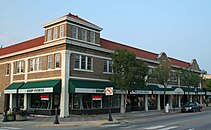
{"type": "Point", "coordinates": [21, 118]}
{"type": "Point", "coordinates": [11, 117]}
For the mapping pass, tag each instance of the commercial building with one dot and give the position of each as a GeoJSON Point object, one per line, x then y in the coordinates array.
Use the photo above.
{"type": "Point", "coordinates": [70, 66]}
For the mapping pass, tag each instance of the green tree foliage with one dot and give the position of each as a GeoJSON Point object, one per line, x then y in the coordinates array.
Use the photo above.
{"type": "Point", "coordinates": [162, 74]}
{"type": "Point", "coordinates": [208, 84]}
{"type": "Point", "coordinates": [129, 73]}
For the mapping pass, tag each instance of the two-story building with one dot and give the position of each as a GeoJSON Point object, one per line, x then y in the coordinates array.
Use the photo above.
{"type": "Point", "coordinates": [70, 66]}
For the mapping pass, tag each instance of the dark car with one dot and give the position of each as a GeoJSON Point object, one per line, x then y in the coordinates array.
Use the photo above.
{"type": "Point", "coordinates": [191, 107]}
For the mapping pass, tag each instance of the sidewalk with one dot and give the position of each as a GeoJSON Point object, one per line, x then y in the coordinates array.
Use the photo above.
{"type": "Point", "coordinates": [35, 121]}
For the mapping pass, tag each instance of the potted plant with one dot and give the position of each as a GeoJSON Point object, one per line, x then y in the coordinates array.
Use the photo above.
{"type": "Point", "coordinates": [21, 115]}
{"type": "Point", "coordinates": [11, 116]}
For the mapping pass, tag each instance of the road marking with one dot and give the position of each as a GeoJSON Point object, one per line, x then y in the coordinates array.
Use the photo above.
{"type": "Point", "coordinates": [128, 127]}
{"type": "Point", "coordinates": [169, 128]}
{"type": "Point", "coordinates": [111, 125]}
{"type": "Point", "coordinates": [154, 127]}
{"type": "Point", "coordinates": [10, 128]}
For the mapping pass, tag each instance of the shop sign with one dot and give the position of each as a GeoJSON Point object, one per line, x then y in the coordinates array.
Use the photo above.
{"type": "Point", "coordinates": [158, 92]}
{"type": "Point", "coordinates": [44, 97]}
{"type": "Point", "coordinates": [36, 90]}
{"type": "Point", "coordinates": [140, 92]}
{"type": "Point", "coordinates": [109, 91]}
{"type": "Point", "coordinates": [120, 92]}
{"type": "Point", "coordinates": [88, 90]}
{"type": "Point", "coordinates": [96, 97]}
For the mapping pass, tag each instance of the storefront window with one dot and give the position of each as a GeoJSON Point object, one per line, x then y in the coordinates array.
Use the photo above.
{"type": "Point", "coordinates": [94, 101]}
{"type": "Point", "coordinates": [41, 101]}
{"type": "Point", "coordinates": [152, 101]}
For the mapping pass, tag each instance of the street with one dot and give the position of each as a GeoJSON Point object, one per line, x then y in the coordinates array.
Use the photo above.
{"type": "Point", "coordinates": [179, 121]}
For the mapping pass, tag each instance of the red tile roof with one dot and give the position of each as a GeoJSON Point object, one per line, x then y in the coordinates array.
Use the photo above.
{"type": "Point", "coordinates": [110, 45]}
{"type": "Point", "coordinates": [106, 44]}
{"type": "Point", "coordinates": [22, 46]}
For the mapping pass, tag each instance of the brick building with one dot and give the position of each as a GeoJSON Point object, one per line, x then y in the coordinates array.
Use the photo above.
{"type": "Point", "coordinates": [69, 68]}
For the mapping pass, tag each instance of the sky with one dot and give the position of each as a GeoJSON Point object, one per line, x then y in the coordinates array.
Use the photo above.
{"type": "Point", "coordinates": [180, 28]}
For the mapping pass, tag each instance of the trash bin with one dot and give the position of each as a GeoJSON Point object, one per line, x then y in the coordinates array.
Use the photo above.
{"type": "Point", "coordinates": [167, 108]}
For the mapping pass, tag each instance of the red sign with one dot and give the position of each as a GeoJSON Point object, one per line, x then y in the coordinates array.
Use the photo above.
{"type": "Point", "coordinates": [109, 91]}
{"type": "Point", "coordinates": [96, 97]}
{"type": "Point", "coordinates": [44, 97]}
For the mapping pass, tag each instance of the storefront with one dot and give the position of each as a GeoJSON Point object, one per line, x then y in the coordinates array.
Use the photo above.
{"type": "Point", "coordinates": [88, 97]}
{"type": "Point", "coordinates": [40, 97]}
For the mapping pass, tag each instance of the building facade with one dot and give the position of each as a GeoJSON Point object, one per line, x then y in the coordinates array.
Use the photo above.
{"type": "Point", "coordinates": [69, 67]}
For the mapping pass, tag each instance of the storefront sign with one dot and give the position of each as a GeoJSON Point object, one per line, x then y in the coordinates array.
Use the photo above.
{"type": "Point", "coordinates": [36, 90]}
{"type": "Point", "coordinates": [96, 97]}
{"type": "Point", "coordinates": [89, 90]}
{"type": "Point", "coordinates": [158, 92]}
{"type": "Point", "coordinates": [140, 92]}
{"type": "Point", "coordinates": [44, 97]}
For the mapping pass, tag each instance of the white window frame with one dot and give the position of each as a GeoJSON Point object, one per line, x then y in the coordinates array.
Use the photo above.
{"type": "Point", "coordinates": [19, 66]}
{"type": "Point", "coordinates": [74, 32]}
{"type": "Point", "coordinates": [50, 59]}
{"type": "Point", "coordinates": [107, 66]}
{"type": "Point", "coordinates": [92, 37]}
{"type": "Point", "coordinates": [174, 77]}
{"type": "Point", "coordinates": [61, 31]}
{"type": "Point", "coordinates": [84, 35]}
{"type": "Point", "coordinates": [7, 69]}
{"type": "Point", "coordinates": [86, 63]}
{"type": "Point", "coordinates": [55, 33]}
{"type": "Point", "coordinates": [49, 35]}
{"type": "Point", "coordinates": [35, 64]}
{"type": "Point", "coordinates": [57, 60]}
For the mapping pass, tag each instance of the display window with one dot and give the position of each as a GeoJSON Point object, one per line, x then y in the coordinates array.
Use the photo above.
{"type": "Point", "coordinates": [44, 101]}
{"type": "Point", "coordinates": [94, 101]}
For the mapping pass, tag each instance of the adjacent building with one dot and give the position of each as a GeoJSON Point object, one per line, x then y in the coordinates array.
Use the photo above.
{"type": "Point", "coordinates": [69, 67]}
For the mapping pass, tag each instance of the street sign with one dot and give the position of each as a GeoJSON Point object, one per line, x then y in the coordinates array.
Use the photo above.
{"type": "Point", "coordinates": [109, 91]}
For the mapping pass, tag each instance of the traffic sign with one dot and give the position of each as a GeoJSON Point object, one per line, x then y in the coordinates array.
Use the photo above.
{"type": "Point", "coordinates": [109, 91]}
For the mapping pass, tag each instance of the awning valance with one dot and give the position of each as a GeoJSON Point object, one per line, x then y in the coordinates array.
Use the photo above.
{"type": "Point", "coordinates": [191, 91]}
{"type": "Point", "coordinates": [47, 86]}
{"type": "Point", "coordinates": [142, 90]}
{"type": "Point", "coordinates": [12, 88]}
{"type": "Point", "coordinates": [156, 89]}
{"type": "Point", "coordinates": [86, 86]}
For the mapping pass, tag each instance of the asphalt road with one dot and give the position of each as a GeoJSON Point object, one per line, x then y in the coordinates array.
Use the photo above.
{"type": "Point", "coordinates": [180, 121]}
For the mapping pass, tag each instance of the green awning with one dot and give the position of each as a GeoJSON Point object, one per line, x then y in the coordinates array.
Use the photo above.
{"type": "Point", "coordinates": [47, 86]}
{"type": "Point", "coordinates": [142, 90]}
{"type": "Point", "coordinates": [200, 91]}
{"type": "Point", "coordinates": [86, 86]}
{"type": "Point", "coordinates": [156, 89]}
{"type": "Point", "coordinates": [188, 90]}
{"type": "Point", "coordinates": [12, 88]}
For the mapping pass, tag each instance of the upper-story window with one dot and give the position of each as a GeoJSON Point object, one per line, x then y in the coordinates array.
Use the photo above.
{"type": "Point", "coordinates": [49, 61]}
{"type": "Point", "coordinates": [35, 64]}
{"type": "Point", "coordinates": [61, 30]}
{"type": "Point", "coordinates": [173, 76]}
{"type": "Point", "coordinates": [74, 32]}
{"type": "Point", "coordinates": [57, 60]}
{"type": "Point", "coordinates": [55, 33]}
{"type": "Point", "coordinates": [92, 37]}
{"type": "Point", "coordinates": [83, 62]}
{"type": "Point", "coordinates": [19, 65]}
{"type": "Point", "coordinates": [107, 66]}
{"type": "Point", "coordinates": [84, 35]}
{"type": "Point", "coordinates": [7, 69]}
{"type": "Point", "coordinates": [49, 35]}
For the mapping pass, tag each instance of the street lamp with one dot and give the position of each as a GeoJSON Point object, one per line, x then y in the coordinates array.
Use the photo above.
{"type": "Point", "coordinates": [196, 92]}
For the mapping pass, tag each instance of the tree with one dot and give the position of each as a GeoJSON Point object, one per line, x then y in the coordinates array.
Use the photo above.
{"type": "Point", "coordinates": [162, 74]}
{"type": "Point", "coordinates": [189, 78]}
{"type": "Point", "coordinates": [128, 73]}
{"type": "Point", "coordinates": [208, 84]}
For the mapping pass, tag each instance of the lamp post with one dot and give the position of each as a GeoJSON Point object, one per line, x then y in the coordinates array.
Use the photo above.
{"type": "Point", "coordinates": [196, 92]}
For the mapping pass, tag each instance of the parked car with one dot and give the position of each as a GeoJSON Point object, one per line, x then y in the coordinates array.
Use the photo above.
{"type": "Point", "coordinates": [191, 107]}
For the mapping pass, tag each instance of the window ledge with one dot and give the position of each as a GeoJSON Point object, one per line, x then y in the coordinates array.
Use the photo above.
{"type": "Point", "coordinates": [107, 73]}
{"type": "Point", "coordinates": [83, 70]}
{"type": "Point", "coordinates": [19, 73]}
{"type": "Point", "coordinates": [7, 75]}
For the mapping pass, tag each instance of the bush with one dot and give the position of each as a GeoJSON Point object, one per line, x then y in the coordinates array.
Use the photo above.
{"type": "Point", "coordinates": [22, 112]}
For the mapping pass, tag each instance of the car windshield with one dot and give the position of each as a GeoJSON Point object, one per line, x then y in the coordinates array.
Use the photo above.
{"type": "Point", "coordinates": [189, 104]}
